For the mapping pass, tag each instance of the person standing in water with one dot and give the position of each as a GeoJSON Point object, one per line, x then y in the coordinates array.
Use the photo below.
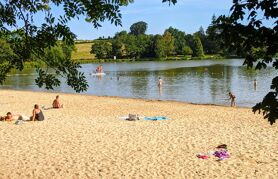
{"type": "Point", "coordinates": [255, 84]}
{"type": "Point", "coordinates": [232, 98]}
{"type": "Point", "coordinates": [99, 69]}
{"type": "Point", "coordinates": [160, 82]}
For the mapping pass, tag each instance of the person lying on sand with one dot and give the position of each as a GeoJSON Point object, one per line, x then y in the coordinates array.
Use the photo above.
{"type": "Point", "coordinates": [56, 103]}
{"type": "Point", "coordinates": [10, 117]}
{"type": "Point", "coordinates": [37, 114]}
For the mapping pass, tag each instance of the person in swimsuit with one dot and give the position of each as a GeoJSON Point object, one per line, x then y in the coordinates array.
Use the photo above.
{"type": "Point", "coordinates": [100, 69]}
{"type": "Point", "coordinates": [56, 103]}
{"type": "Point", "coordinates": [160, 82]}
{"type": "Point", "coordinates": [233, 99]}
{"type": "Point", "coordinates": [10, 117]}
{"type": "Point", "coordinates": [255, 84]}
{"type": "Point", "coordinates": [37, 114]}
{"type": "Point", "coordinates": [97, 69]}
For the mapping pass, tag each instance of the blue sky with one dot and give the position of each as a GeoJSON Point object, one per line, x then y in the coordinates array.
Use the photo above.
{"type": "Point", "coordinates": [186, 15]}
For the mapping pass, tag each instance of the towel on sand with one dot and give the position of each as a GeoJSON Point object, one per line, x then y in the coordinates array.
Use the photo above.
{"type": "Point", "coordinates": [155, 118]}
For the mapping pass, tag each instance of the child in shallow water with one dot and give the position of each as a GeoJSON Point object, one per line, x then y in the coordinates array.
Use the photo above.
{"type": "Point", "coordinates": [232, 98]}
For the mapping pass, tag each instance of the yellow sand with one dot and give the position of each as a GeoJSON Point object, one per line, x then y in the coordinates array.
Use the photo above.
{"type": "Point", "coordinates": [86, 139]}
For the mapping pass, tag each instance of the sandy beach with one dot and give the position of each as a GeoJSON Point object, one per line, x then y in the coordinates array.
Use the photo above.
{"type": "Point", "coordinates": [86, 139]}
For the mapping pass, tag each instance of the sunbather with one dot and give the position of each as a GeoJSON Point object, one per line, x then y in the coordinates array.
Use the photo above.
{"type": "Point", "coordinates": [10, 117]}
{"type": "Point", "coordinates": [37, 114]}
{"type": "Point", "coordinates": [56, 103]}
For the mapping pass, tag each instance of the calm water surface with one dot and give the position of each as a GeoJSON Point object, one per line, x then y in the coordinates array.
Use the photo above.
{"type": "Point", "coordinates": [206, 81]}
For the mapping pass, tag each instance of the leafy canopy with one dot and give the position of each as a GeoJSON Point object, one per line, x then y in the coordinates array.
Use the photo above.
{"type": "Point", "coordinates": [138, 28]}
{"type": "Point", "coordinates": [179, 37]}
{"type": "Point", "coordinates": [197, 46]}
{"type": "Point", "coordinates": [102, 49]}
{"type": "Point", "coordinates": [246, 30]}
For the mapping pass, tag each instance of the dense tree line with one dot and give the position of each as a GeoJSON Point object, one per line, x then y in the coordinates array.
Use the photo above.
{"type": "Point", "coordinates": [137, 44]}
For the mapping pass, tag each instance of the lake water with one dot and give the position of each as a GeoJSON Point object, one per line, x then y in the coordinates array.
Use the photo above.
{"type": "Point", "coordinates": [205, 81]}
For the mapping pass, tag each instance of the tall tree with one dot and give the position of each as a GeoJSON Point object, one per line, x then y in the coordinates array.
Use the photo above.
{"type": "Point", "coordinates": [119, 49]}
{"type": "Point", "coordinates": [144, 44]}
{"type": "Point", "coordinates": [187, 50]}
{"type": "Point", "coordinates": [102, 49]}
{"type": "Point", "coordinates": [138, 28]}
{"type": "Point", "coordinates": [197, 46]}
{"type": "Point", "coordinates": [214, 40]}
{"type": "Point", "coordinates": [179, 41]}
{"type": "Point", "coordinates": [159, 46]}
{"type": "Point", "coordinates": [7, 56]}
{"type": "Point", "coordinates": [203, 37]}
{"type": "Point", "coordinates": [201, 32]}
{"type": "Point", "coordinates": [169, 43]}
{"type": "Point", "coordinates": [246, 29]}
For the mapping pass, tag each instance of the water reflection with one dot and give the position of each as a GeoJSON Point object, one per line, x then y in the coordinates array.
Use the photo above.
{"type": "Point", "coordinates": [207, 81]}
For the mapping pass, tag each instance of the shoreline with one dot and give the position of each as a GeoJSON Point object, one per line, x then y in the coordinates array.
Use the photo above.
{"type": "Point", "coordinates": [121, 97]}
{"type": "Point", "coordinates": [32, 64]}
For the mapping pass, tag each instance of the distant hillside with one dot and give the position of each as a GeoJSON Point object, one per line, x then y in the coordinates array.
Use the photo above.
{"type": "Point", "coordinates": [82, 51]}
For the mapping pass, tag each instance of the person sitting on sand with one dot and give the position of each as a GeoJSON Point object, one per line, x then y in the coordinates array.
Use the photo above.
{"type": "Point", "coordinates": [232, 98]}
{"type": "Point", "coordinates": [10, 117]}
{"type": "Point", "coordinates": [37, 114]}
{"type": "Point", "coordinates": [56, 103]}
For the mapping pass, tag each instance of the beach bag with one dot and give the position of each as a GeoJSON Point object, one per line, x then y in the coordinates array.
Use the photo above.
{"type": "Point", "coordinates": [133, 117]}
{"type": "Point", "coordinates": [18, 122]}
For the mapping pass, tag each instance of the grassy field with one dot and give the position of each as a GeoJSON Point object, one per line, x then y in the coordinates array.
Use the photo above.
{"type": "Point", "coordinates": [82, 52]}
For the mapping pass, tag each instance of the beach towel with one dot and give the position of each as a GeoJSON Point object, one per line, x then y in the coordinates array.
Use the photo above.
{"type": "Point", "coordinates": [134, 117]}
{"type": "Point", "coordinates": [156, 118]}
{"type": "Point", "coordinates": [221, 153]}
{"type": "Point", "coordinates": [203, 156]}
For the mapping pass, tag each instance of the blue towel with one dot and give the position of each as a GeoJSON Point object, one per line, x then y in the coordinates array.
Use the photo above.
{"type": "Point", "coordinates": [155, 118]}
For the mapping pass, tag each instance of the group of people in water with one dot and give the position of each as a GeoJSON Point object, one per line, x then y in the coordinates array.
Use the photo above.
{"type": "Point", "coordinates": [99, 69]}
{"type": "Point", "coordinates": [160, 82]}
{"type": "Point", "coordinates": [37, 114]}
